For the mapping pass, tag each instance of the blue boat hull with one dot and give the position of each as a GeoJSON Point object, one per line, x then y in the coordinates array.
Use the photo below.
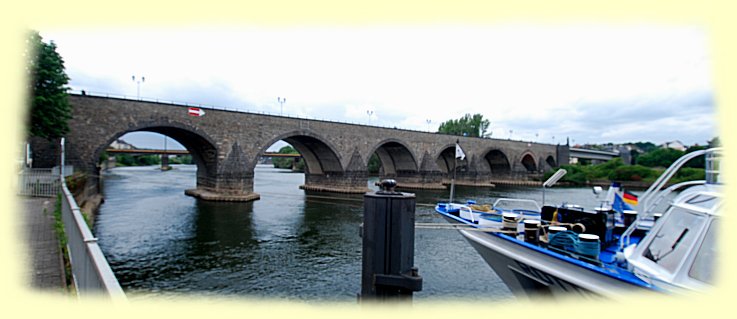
{"type": "Point", "coordinates": [529, 270]}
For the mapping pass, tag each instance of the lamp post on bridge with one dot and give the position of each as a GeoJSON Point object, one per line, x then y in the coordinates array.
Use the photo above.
{"type": "Point", "coordinates": [281, 101]}
{"type": "Point", "coordinates": [428, 121]}
{"type": "Point", "coordinates": [138, 85]}
{"type": "Point", "coordinates": [369, 112]}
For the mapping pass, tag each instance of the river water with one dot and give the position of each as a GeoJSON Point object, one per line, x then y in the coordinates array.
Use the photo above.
{"type": "Point", "coordinates": [289, 245]}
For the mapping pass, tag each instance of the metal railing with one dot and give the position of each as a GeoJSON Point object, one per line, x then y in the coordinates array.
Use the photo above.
{"type": "Point", "coordinates": [38, 182]}
{"type": "Point", "coordinates": [652, 197]}
{"type": "Point", "coordinates": [91, 273]}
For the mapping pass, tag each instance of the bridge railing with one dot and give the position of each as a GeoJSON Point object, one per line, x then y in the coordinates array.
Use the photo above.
{"type": "Point", "coordinates": [242, 110]}
{"type": "Point", "coordinates": [91, 273]}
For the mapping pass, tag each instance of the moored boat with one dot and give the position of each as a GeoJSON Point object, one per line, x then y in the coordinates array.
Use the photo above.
{"type": "Point", "coordinates": [611, 251]}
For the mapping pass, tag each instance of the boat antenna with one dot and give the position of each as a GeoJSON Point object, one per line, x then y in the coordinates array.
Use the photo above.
{"type": "Point", "coordinates": [552, 180]}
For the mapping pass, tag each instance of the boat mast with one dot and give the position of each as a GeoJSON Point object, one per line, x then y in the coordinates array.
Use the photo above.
{"type": "Point", "coordinates": [453, 180]}
{"type": "Point", "coordinates": [458, 154]}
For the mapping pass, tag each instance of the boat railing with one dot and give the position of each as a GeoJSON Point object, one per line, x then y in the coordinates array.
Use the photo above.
{"type": "Point", "coordinates": [654, 195]}
{"type": "Point", "coordinates": [712, 168]}
{"type": "Point", "coordinates": [647, 198]}
{"type": "Point", "coordinates": [661, 195]}
{"type": "Point", "coordinates": [650, 213]}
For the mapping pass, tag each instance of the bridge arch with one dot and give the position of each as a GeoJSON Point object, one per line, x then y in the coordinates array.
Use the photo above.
{"type": "Point", "coordinates": [445, 159]}
{"type": "Point", "coordinates": [396, 157]}
{"type": "Point", "coordinates": [319, 154]}
{"type": "Point", "coordinates": [551, 161]}
{"type": "Point", "coordinates": [199, 144]}
{"type": "Point", "coordinates": [498, 162]}
{"type": "Point", "coordinates": [528, 161]}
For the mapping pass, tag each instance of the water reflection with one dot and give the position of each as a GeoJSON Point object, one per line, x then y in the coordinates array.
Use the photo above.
{"type": "Point", "coordinates": [288, 245]}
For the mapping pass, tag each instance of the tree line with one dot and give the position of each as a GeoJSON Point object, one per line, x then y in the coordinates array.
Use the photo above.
{"type": "Point", "coordinates": [647, 166]}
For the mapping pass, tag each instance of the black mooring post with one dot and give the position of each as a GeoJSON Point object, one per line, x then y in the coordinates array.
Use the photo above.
{"type": "Point", "coordinates": [388, 233]}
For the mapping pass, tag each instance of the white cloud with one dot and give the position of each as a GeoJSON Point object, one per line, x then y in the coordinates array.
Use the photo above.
{"type": "Point", "coordinates": [533, 79]}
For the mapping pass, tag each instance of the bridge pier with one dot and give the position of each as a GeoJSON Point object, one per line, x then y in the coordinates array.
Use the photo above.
{"type": "Point", "coordinates": [165, 162]}
{"type": "Point", "coordinates": [230, 183]}
{"type": "Point", "coordinates": [229, 187]}
{"type": "Point", "coordinates": [417, 180]}
{"type": "Point", "coordinates": [355, 182]}
{"type": "Point", "coordinates": [205, 194]}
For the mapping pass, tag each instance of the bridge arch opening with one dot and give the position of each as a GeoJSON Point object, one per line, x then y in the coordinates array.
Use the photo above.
{"type": "Point", "coordinates": [319, 157]}
{"type": "Point", "coordinates": [392, 159]}
{"type": "Point", "coordinates": [551, 161]}
{"type": "Point", "coordinates": [322, 166]}
{"type": "Point", "coordinates": [446, 161]}
{"type": "Point", "coordinates": [152, 141]}
{"type": "Point", "coordinates": [498, 163]}
{"type": "Point", "coordinates": [284, 156]}
{"type": "Point", "coordinates": [144, 149]}
{"type": "Point", "coordinates": [529, 163]}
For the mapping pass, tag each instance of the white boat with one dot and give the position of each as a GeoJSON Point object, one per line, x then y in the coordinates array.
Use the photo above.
{"type": "Point", "coordinates": [667, 247]}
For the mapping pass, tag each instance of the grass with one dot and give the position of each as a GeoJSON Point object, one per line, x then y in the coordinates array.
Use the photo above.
{"type": "Point", "coordinates": [62, 237]}
{"type": "Point", "coordinates": [615, 170]}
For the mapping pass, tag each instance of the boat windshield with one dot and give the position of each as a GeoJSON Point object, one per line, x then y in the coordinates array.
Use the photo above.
{"type": "Point", "coordinates": [511, 204]}
{"type": "Point", "coordinates": [675, 238]}
{"type": "Point", "coordinates": [704, 200]}
{"type": "Point", "coordinates": [703, 266]}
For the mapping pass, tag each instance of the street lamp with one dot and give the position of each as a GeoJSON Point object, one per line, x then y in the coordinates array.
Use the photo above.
{"type": "Point", "coordinates": [138, 82]}
{"type": "Point", "coordinates": [369, 112]}
{"type": "Point", "coordinates": [428, 124]}
{"type": "Point", "coordinates": [281, 101]}
{"type": "Point", "coordinates": [510, 134]}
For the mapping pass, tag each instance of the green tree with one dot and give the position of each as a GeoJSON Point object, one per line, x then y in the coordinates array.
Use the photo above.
{"type": "Point", "coordinates": [699, 162]}
{"type": "Point", "coordinates": [645, 146]}
{"type": "Point", "coordinates": [124, 160]}
{"type": "Point", "coordinates": [374, 164]}
{"type": "Point", "coordinates": [50, 109]}
{"type": "Point", "coordinates": [468, 125]}
{"type": "Point", "coordinates": [631, 173]}
{"type": "Point", "coordinates": [286, 162]}
{"type": "Point", "coordinates": [183, 159]}
{"type": "Point", "coordinates": [661, 157]}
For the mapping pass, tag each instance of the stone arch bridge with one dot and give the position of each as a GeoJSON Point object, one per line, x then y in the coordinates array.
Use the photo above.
{"type": "Point", "coordinates": [226, 146]}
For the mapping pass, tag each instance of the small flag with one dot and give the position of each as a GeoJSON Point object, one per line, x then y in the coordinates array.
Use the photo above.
{"type": "Point", "coordinates": [459, 152]}
{"type": "Point", "coordinates": [619, 205]}
{"type": "Point", "coordinates": [630, 198]}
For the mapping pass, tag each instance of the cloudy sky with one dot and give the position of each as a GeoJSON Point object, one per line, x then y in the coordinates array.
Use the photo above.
{"type": "Point", "coordinates": [592, 83]}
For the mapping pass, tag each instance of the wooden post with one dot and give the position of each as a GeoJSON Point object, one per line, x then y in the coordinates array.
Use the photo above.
{"type": "Point", "coordinates": [388, 233]}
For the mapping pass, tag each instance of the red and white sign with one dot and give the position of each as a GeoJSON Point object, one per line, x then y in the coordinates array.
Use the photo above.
{"type": "Point", "coordinates": [196, 111]}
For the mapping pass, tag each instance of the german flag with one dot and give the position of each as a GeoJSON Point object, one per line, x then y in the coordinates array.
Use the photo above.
{"type": "Point", "coordinates": [630, 198]}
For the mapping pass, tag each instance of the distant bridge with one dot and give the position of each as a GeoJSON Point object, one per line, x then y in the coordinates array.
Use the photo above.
{"type": "Point", "coordinates": [595, 156]}
{"type": "Point", "coordinates": [146, 151]}
{"type": "Point", "coordinates": [182, 152]}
